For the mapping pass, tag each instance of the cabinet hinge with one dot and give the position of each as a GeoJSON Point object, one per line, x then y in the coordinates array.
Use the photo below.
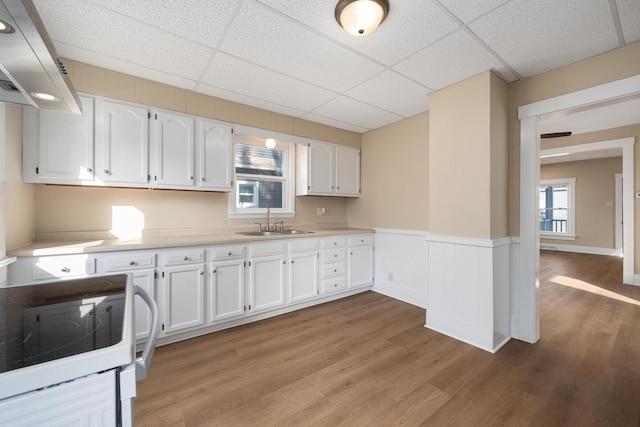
{"type": "Point", "coordinates": [232, 183]}
{"type": "Point", "coordinates": [148, 114]}
{"type": "Point", "coordinates": [163, 326]}
{"type": "Point", "coordinates": [156, 116]}
{"type": "Point", "coordinates": [249, 266]}
{"type": "Point", "coordinates": [231, 130]}
{"type": "Point", "coordinates": [245, 308]}
{"type": "Point", "coordinates": [309, 187]}
{"type": "Point", "coordinates": [37, 318]}
{"type": "Point", "coordinates": [249, 307]}
{"type": "Point", "coordinates": [245, 263]}
{"type": "Point", "coordinates": [163, 274]}
{"type": "Point", "coordinates": [148, 178]}
{"type": "Point", "coordinates": [155, 274]}
{"type": "Point", "coordinates": [37, 170]}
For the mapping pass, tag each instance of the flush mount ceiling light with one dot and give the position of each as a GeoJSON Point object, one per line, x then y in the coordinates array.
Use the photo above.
{"type": "Point", "coordinates": [361, 17]}
{"type": "Point", "coordinates": [270, 142]}
{"type": "Point", "coordinates": [44, 96]}
{"type": "Point", "coordinates": [5, 27]}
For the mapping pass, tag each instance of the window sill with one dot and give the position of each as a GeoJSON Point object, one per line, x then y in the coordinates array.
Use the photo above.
{"type": "Point", "coordinates": [261, 215]}
{"type": "Point", "coordinates": [557, 236]}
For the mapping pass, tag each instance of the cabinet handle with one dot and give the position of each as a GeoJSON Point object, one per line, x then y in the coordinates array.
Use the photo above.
{"type": "Point", "coordinates": [335, 270]}
{"type": "Point", "coordinates": [215, 270]}
{"type": "Point", "coordinates": [335, 285]}
{"type": "Point", "coordinates": [107, 172]}
{"type": "Point", "coordinates": [202, 273]}
{"type": "Point", "coordinates": [203, 179]}
{"type": "Point", "coordinates": [335, 243]}
{"type": "Point", "coordinates": [186, 258]}
{"type": "Point", "coordinates": [192, 178]}
{"type": "Point", "coordinates": [336, 256]}
{"type": "Point", "coordinates": [132, 263]}
{"type": "Point", "coordinates": [65, 269]}
{"type": "Point", "coordinates": [350, 253]}
{"type": "Point", "coordinates": [89, 170]}
{"type": "Point", "coordinates": [229, 253]}
{"type": "Point", "coordinates": [338, 188]}
{"type": "Point", "coordinates": [291, 261]}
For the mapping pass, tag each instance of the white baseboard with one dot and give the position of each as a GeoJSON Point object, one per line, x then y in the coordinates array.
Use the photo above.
{"type": "Point", "coordinates": [579, 249]}
{"type": "Point", "coordinates": [408, 295]}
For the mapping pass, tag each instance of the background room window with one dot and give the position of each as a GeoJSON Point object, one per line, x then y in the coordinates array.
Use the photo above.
{"type": "Point", "coordinates": [557, 208]}
{"type": "Point", "coordinates": [263, 178]}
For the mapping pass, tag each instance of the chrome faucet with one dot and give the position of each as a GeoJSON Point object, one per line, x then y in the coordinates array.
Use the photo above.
{"type": "Point", "coordinates": [268, 214]}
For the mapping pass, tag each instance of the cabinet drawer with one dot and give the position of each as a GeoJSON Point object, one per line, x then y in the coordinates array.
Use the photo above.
{"type": "Point", "coordinates": [186, 256]}
{"type": "Point", "coordinates": [266, 250]}
{"type": "Point", "coordinates": [62, 266]}
{"type": "Point", "coordinates": [333, 255]}
{"type": "Point", "coordinates": [334, 242]}
{"type": "Point", "coordinates": [303, 245]}
{"type": "Point", "coordinates": [361, 240]}
{"type": "Point", "coordinates": [334, 285]}
{"type": "Point", "coordinates": [220, 254]}
{"type": "Point", "coordinates": [333, 270]}
{"type": "Point", "coordinates": [130, 262]}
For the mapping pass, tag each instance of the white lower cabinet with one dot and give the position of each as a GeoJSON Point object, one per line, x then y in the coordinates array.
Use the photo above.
{"type": "Point", "coordinates": [266, 276]}
{"type": "Point", "coordinates": [303, 270]}
{"type": "Point", "coordinates": [182, 291]}
{"type": "Point", "coordinates": [360, 261]}
{"type": "Point", "coordinates": [333, 264]}
{"type": "Point", "coordinates": [225, 290]}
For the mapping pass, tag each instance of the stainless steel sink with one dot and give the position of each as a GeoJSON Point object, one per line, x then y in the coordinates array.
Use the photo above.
{"type": "Point", "coordinates": [295, 232]}
{"type": "Point", "coordinates": [273, 233]}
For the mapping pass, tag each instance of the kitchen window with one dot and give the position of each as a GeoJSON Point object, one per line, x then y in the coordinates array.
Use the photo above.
{"type": "Point", "coordinates": [557, 208]}
{"type": "Point", "coordinates": [263, 178]}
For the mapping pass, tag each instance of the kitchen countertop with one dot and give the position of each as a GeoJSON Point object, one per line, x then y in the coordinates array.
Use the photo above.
{"type": "Point", "coordinates": [110, 245]}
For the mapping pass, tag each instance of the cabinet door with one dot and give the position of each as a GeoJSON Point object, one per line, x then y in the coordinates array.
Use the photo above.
{"type": "Point", "coordinates": [145, 279]}
{"type": "Point", "coordinates": [347, 171]}
{"type": "Point", "coordinates": [303, 276]}
{"type": "Point", "coordinates": [226, 290]}
{"type": "Point", "coordinates": [59, 146]}
{"type": "Point", "coordinates": [183, 298]}
{"type": "Point", "coordinates": [123, 144]}
{"type": "Point", "coordinates": [360, 266]}
{"type": "Point", "coordinates": [267, 282]}
{"type": "Point", "coordinates": [321, 168]}
{"type": "Point", "coordinates": [215, 153]}
{"type": "Point", "coordinates": [173, 150]}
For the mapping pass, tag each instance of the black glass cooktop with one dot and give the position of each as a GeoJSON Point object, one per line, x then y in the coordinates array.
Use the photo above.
{"type": "Point", "coordinates": [49, 321]}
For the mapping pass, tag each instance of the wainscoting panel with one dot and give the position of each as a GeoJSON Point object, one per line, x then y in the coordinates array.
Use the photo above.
{"type": "Point", "coordinates": [400, 267]}
{"type": "Point", "coordinates": [468, 289]}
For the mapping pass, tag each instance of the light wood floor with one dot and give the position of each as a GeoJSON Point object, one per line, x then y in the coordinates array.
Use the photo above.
{"type": "Point", "coordinates": [367, 360]}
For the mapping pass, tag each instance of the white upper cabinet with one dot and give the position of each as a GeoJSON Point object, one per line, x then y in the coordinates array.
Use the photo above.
{"type": "Point", "coordinates": [347, 171]}
{"type": "Point", "coordinates": [215, 153]}
{"type": "Point", "coordinates": [325, 169]}
{"type": "Point", "coordinates": [58, 147]}
{"type": "Point", "coordinates": [122, 143]}
{"type": "Point", "coordinates": [172, 150]}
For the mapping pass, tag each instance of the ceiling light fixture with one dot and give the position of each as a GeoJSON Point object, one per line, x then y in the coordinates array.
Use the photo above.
{"type": "Point", "coordinates": [5, 27]}
{"type": "Point", "coordinates": [44, 96]}
{"type": "Point", "coordinates": [270, 143]}
{"type": "Point", "coordinates": [361, 17]}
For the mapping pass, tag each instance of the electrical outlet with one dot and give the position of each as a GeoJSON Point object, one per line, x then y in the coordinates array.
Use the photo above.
{"type": "Point", "coordinates": [638, 195]}
{"type": "Point", "coordinates": [390, 276]}
{"type": "Point", "coordinates": [320, 211]}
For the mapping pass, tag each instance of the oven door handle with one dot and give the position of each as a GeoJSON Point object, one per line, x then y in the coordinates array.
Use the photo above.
{"type": "Point", "coordinates": [143, 362]}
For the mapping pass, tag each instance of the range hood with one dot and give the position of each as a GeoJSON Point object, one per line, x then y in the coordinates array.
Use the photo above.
{"type": "Point", "coordinates": [29, 66]}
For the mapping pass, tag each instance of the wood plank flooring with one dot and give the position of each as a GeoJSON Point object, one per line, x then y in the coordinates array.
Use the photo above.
{"type": "Point", "coordinates": [367, 360]}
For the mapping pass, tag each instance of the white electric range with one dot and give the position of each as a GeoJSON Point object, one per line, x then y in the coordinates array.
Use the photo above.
{"type": "Point", "coordinates": [67, 352]}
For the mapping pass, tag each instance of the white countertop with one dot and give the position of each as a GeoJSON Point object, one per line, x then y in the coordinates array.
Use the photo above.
{"type": "Point", "coordinates": [110, 245]}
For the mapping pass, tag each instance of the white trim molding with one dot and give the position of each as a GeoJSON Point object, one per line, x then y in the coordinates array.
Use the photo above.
{"type": "Point", "coordinates": [468, 292]}
{"type": "Point", "coordinates": [400, 272]}
{"type": "Point", "coordinates": [579, 249]}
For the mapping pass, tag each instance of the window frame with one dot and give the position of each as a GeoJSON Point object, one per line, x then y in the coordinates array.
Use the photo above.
{"type": "Point", "coordinates": [288, 180]}
{"type": "Point", "coordinates": [570, 234]}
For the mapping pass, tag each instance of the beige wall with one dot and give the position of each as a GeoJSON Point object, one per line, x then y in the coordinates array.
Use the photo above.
{"type": "Point", "coordinates": [595, 189]}
{"type": "Point", "coordinates": [394, 178]}
{"type": "Point", "coordinates": [72, 208]}
{"type": "Point", "coordinates": [19, 198]}
{"type": "Point", "coordinates": [468, 167]}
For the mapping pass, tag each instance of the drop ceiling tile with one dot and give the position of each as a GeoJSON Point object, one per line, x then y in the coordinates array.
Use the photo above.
{"type": "Point", "coordinates": [115, 64]}
{"type": "Point", "coordinates": [629, 12]}
{"type": "Point", "coordinates": [335, 123]}
{"type": "Point", "coordinates": [262, 36]}
{"type": "Point", "coordinates": [252, 80]}
{"type": "Point", "coordinates": [393, 92]}
{"type": "Point", "coordinates": [93, 28]}
{"type": "Point", "coordinates": [535, 36]}
{"type": "Point", "coordinates": [202, 21]}
{"type": "Point", "coordinates": [248, 100]}
{"type": "Point", "coordinates": [452, 59]}
{"type": "Point", "coordinates": [410, 26]}
{"type": "Point", "coordinates": [355, 112]}
{"type": "Point", "coordinates": [468, 10]}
